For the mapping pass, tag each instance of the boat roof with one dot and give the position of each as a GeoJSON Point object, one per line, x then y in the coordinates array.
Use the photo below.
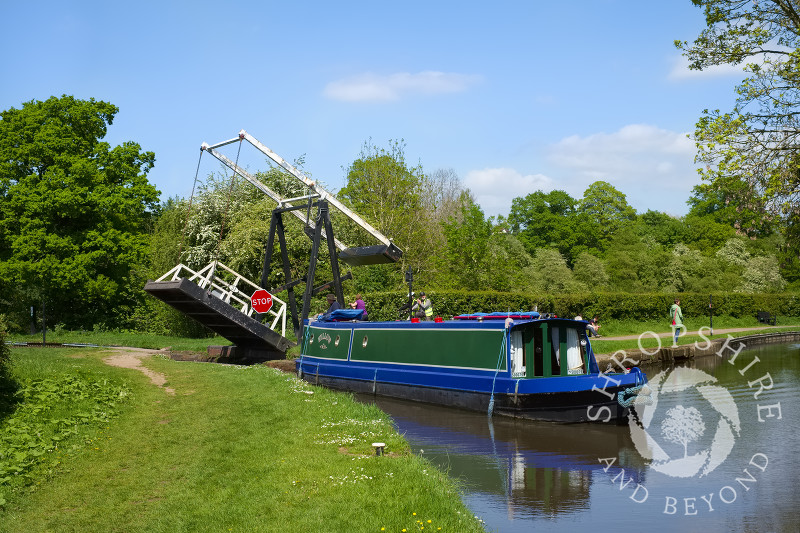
{"type": "Point", "coordinates": [476, 322]}
{"type": "Point", "coordinates": [499, 315]}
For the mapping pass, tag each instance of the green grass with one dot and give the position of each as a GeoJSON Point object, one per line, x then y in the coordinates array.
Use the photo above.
{"type": "Point", "coordinates": [124, 338]}
{"type": "Point", "coordinates": [620, 328]}
{"type": "Point", "coordinates": [234, 449]}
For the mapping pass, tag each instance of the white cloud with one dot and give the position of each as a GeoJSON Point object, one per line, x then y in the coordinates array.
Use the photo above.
{"type": "Point", "coordinates": [373, 87]}
{"type": "Point", "coordinates": [653, 167]}
{"type": "Point", "coordinates": [680, 70]}
{"type": "Point", "coordinates": [494, 188]}
{"type": "Point", "coordinates": [627, 154]}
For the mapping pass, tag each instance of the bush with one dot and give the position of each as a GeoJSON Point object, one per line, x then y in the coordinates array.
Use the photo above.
{"type": "Point", "coordinates": [5, 351]}
{"type": "Point", "coordinates": [8, 387]}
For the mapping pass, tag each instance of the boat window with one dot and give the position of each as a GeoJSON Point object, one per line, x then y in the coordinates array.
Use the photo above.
{"type": "Point", "coordinates": [517, 355]}
{"type": "Point", "coordinates": [574, 357]}
{"type": "Point", "coordinates": [538, 353]}
{"type": "Point", "coordinates": [555, 351]}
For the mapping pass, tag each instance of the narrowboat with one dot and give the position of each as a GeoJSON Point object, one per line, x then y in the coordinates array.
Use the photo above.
{"type": "Point", "coordinates": [512, 364]}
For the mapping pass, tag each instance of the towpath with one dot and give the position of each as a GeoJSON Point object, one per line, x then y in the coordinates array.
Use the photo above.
{"type": "Point", "coordinates": [716, 332]}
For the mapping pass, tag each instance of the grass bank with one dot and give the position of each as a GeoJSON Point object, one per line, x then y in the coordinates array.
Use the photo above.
{"type": "Point", "coordinates": [628, 328]}
{"type": "Point", "coordinates": [233, 449]}
{"type": "Point", "coordinates": [123, 338]}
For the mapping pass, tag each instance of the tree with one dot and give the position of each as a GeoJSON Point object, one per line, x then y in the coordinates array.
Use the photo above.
{"type": "Point", "coordinates": [553, 274]}
{"type": "Point", "coordinates": [607, 208]}
{"type": "Point", "coordinates": [752, 153]}
{"type": "Point", "coordinates": [384, 190]}
{"type": "Point", "coordinates": [74, 212]}
{"type": "Point", "coordinates": [467, 237]}
{"type": "Point", "coordinates": [762, 274]}
{"type": "Point", "coordinates": [551, 220]}
{"type": "Point", "coordinates": [441, 199]}
{"type": "Point", "coordinates": [509, 266]}
{"type": "Point", "coordinates": [590, 270]}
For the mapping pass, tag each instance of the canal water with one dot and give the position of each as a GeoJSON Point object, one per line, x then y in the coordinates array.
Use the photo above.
{"type": "Point", "coordinates": [715, 447]}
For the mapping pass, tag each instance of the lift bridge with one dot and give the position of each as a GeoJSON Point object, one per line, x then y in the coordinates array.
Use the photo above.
{"type": "Point", "coordinates": [220, 298]}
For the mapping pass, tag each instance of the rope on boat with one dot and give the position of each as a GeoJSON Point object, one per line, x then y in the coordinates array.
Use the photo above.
{"type": "Point", "coordinates": [633, 396]}
{"type": "Point", "coordinates": [303, 351]}
{"type": "Point", "coordinates": [497, 370]}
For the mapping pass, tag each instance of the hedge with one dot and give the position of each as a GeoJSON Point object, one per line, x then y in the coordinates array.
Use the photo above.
{"type": "Point", "coordinates": [386, 305]}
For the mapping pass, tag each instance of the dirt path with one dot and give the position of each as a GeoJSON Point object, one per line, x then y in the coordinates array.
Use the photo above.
{"type": "Point", "coordinates": [132, 358]}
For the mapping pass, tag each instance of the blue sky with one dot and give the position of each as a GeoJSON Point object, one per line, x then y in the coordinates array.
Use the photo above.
{"type": "Point", "coordinates": [515, 96]}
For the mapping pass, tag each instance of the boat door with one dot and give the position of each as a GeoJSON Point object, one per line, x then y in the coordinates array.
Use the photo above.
{"type": "Point", "coordinates": [517, 355]}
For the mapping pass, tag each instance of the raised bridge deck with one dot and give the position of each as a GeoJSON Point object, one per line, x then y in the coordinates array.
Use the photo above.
{"type": "Point", "coordinates": [225, 310]}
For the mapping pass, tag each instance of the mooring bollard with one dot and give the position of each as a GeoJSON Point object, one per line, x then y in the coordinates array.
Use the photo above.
{"type": "Point", "coordinates": [378, 448]}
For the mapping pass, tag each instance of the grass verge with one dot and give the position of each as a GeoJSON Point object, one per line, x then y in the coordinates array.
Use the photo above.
{"type": "Point", "coordinates": [234, 449]}
{"type": "Point", "coordinates": [124, 338]}
{"type": "Point", "coordinates": [619, 328]}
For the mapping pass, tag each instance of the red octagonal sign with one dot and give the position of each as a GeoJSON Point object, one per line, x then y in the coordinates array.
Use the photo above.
{"type": "Point", "coordinates": [261, 301]}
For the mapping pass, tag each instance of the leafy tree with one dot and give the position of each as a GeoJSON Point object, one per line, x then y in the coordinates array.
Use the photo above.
{"type": "Point", "coordinates": [553, 274]}
{"type": "Point", "coordinates": [686, 265]}
{"type": "Point", "coordinates": [607, 208]}
{"type": "Point", "coordinates": [589, 269]}
{"type": "Point", "coordinates": [442, 200]}
{"type": "Point", "coordinates": [74, 212]}
{"type": "Point", "coordinates": [635, 263]}
{"type": "Point", "coordinates": [551, 220]}
{"type": "Point", "coordinates": [751, 153]}
{"type": "Point", "coordinates": [664, 229]}
{"type": "Point", "coordinates": [762, 274]}
{"type": "Point", "coordinates": [383, 189]}
{"type": "Point", "coordinates": [510, 267]}
{"type": "Point", "coordinates": [468, 237]}
{"type": "Point", "coordinates": [705, 233]}
{"type": "Point", "coordinates": [734, 252]}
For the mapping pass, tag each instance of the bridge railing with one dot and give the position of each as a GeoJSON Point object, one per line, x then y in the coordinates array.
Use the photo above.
{"type": "Point", "coordinates": [232, 288]}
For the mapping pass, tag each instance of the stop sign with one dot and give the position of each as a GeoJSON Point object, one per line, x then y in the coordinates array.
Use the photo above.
{"type": "Point", "coordinates": [261, 301]}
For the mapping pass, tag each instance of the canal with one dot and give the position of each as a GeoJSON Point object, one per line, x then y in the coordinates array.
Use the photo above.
{"type": "Point", "coordinates": [715, 447]}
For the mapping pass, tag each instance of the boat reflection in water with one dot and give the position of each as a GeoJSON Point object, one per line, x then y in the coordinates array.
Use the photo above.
{"type": "Point", "coordinates": [523, 475]}
{"type": "Point", "coordinates": [526, 467]}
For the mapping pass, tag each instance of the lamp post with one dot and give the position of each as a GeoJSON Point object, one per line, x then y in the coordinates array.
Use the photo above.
{"type": "Point", "coordinates": [710, 315]}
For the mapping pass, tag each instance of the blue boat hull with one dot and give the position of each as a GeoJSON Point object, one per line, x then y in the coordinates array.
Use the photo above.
{"type": "Point", "coordinates": [485, 383]}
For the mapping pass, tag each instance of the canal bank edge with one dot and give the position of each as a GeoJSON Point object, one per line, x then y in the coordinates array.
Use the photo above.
{"type": "Point", "coordinates": [682, 352]}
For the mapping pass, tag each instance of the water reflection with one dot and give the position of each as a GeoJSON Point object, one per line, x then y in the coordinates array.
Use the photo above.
{"type": "Point", "coordinates": [535, 467]}
{"type": "Point", "coordinates": [524, 475]}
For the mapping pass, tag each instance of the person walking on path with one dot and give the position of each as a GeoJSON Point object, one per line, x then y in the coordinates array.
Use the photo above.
{"type": "Point", "coordinates": [677, 319]}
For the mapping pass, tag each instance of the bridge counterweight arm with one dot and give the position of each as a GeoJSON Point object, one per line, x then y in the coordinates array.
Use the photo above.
{"type": "Point", "coordinates": [263, 188]}
{"type": "Point", "coordinates": [315, 187]}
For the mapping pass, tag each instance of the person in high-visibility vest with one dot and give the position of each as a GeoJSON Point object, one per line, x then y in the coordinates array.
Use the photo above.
{"type": "Point", "coordinates": [423, 308]}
